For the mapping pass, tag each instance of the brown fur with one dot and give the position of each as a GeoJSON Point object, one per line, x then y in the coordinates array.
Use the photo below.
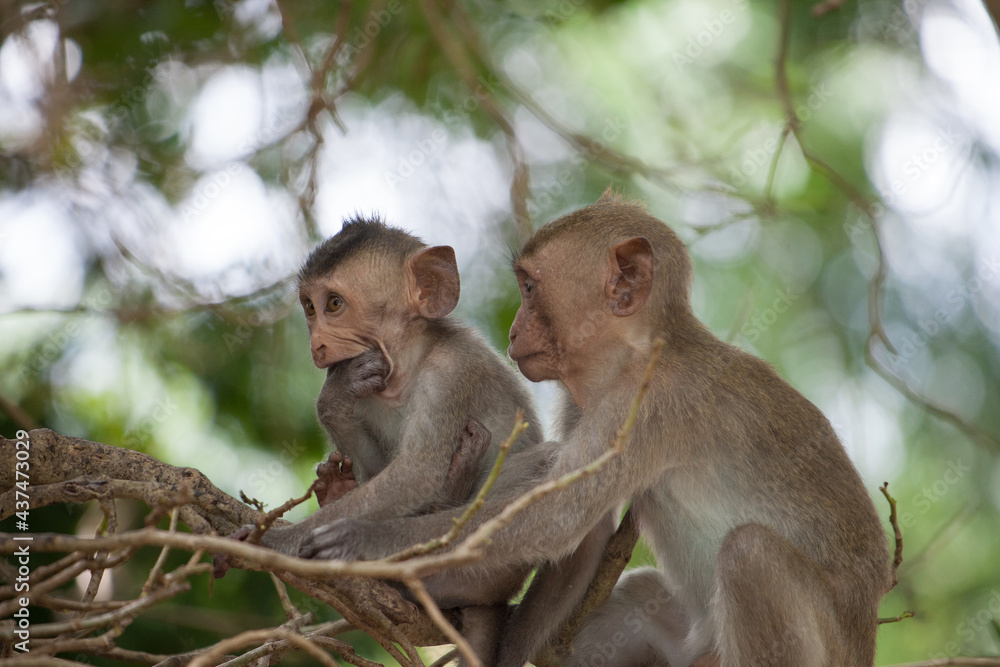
{"type": "Point", "coordinates": [769, 548]}
{"type": "Point", "coordinates": [411, 397]}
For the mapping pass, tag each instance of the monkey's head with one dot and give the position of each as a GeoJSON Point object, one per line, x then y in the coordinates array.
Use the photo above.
{"type": "Point", "coordinates": [369, 286]}
{"type": "Point", "coordinates": [601, 277]}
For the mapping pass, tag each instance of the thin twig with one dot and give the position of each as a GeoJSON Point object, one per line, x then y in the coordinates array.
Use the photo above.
{"type": "Point", "coordinates": [420, 592]}
{"type": "Point", "coordinates": [230, 645]}
{"type": "Point", "coordinates": [448, 657]}
{"type": "Point", "coordinates": [268, 519]}
{"type": "Point", "coordinates": [111, 527]}
{"type": "Point", "coordinates": [897, 557]}
{"type": "Point", "coordinates": [44, 586]}
{"type": "Point", "coordinates": [157, 568]}
{"type": "Point", "coordinates": [897, 619]}
{"type": "Point", "coordinates": [291, 611]}
{"type": "Point", "coordinates": [773, 169]}
{"type": "Point", "coordinates": [102, 620]}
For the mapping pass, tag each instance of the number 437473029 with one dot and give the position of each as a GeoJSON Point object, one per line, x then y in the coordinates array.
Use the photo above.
{"type": "Point", "coordinates": [21, 468]}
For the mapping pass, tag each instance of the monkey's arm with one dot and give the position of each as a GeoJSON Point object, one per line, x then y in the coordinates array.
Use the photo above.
{"type": "Point", "coordinates": [412, 480]}
{"type": "Point", "coordinates": [544, 531]}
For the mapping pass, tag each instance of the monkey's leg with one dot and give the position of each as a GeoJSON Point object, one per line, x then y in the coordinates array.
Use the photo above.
{"type": "Point", "coordinates": [772, 604]}
{"type": "Point", "coordinates": [554, 593]}
{"type": "Point", "coordinates": [481, 627]}
{"type": "Point", "coordinates": [639, 624]}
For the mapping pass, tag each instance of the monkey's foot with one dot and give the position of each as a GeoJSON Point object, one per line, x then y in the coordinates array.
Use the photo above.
{"type": "Point", "coordinates": [466, 462]}
{"type": "Point", "coordinates": [336, 479]}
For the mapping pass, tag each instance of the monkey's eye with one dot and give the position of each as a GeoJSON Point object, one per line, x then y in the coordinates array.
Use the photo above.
{"type": "Point", "coordinates": [309, 308]}
{"type": "Point", "coordinates": [527, 288]}
{"type": "Point", "coordinates": [335, 303]}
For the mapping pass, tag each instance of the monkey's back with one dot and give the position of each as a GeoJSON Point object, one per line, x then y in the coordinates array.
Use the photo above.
{"type": "Point", "coordinates": [782, 466]}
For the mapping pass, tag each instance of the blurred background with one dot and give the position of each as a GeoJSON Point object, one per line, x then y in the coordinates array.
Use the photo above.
{"type": "Point", "coordinates": [165, 167]}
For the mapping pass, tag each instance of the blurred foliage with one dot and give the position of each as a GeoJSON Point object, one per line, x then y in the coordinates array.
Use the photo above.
{"type": "Point", "coordinates": [675, 101]}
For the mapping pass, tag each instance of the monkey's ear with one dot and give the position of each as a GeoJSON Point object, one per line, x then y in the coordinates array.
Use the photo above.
{"type": "Point", "coordinates": [632, 277]}
{"type": "Point", "coordinates": [434, 284]}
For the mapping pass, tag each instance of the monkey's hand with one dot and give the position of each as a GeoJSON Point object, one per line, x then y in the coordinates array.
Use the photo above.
{"type": "Point", "coordinates": [344, 539]}
{"type": "Point", "coordinates": [220, 562]}
{"type": "Point", "coordinates": [336, 478]}
{"type": "Point", "coordinates": [366, 373]}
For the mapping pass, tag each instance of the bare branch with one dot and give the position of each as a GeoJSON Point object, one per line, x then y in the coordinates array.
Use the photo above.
{"type": "Point", "coordinates": [897, 533]}
{"type": "Point", "coordinates": [896, 619]}
{"type": "Point", "coordinates": [463, 647]}
{"type": "Point", "coordinates": [212, 656]}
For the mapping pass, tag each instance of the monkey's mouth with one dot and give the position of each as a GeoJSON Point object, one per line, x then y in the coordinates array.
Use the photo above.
{"type": "Point", "coordinates": [525, 357]}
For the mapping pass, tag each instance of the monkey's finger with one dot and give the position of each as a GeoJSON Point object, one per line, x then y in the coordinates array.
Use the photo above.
{"type": "Point", "coordinates": [322, 490]}
{"type": "Point", "coordinates": [347, 468]}
{"type": "Point", "coordinates": [336, 457]}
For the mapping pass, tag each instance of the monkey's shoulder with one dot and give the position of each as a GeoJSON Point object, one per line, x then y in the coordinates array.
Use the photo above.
{"type": "Point", "coordinates": [464, 375]}
{"type": "Point", "coordinates": [460, 350]}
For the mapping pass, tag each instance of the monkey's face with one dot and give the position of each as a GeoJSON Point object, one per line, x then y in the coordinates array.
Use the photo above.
{"type": "Point", "coordinates": [579, 306]}
{"type": "Point", "coordinates": [532, 345]}
{"type": "Point", "coordinates": [541, 339]}
{"type": "Point", "coordinates": [339, 310]}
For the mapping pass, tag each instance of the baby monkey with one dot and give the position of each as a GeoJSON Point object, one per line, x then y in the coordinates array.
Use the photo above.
{"type": "Point", "coordinates": [410, 400]}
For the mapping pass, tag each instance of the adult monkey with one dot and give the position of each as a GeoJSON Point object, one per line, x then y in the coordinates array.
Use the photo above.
{"type": "Point", "coordinates": [410, 399]}
{"type": "Point", "coordinates": [768, 546]}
